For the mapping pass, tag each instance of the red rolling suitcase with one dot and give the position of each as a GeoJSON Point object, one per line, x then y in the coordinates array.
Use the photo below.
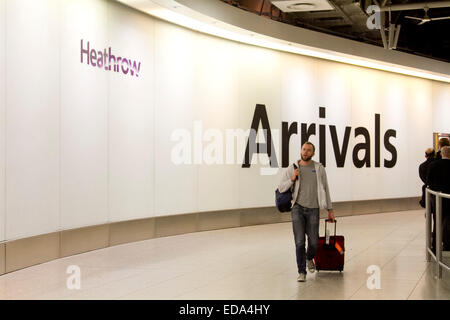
{"type": "Point", "coordinates": [330, 256]}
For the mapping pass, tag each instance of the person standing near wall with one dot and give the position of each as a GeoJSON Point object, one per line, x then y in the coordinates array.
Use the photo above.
{"type": "Point", "coordinates": [438, 179]}
{"type": "Point", "coordinates": [310, 194]}
{"type": "Point", "coordinates": [423, 170]}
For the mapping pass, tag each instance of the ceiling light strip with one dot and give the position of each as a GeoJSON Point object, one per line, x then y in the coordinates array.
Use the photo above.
{"type": "Point", "coordinates": [244, 36]}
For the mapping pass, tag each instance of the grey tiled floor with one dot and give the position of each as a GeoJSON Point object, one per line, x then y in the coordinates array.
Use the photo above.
{"type": "Point", "coordinates": [256, 262]}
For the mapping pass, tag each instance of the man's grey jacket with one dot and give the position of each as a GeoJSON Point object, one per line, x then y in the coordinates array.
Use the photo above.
{"type": "Point", "coordinates": [323, 192]}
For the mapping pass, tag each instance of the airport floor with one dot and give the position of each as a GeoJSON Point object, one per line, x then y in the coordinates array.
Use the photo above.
{"type": "Point", "coordinates": [255, 262]}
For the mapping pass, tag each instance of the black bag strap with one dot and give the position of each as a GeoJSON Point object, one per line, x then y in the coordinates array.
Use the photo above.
{"type": "Point", "coordinates": [293, 185]}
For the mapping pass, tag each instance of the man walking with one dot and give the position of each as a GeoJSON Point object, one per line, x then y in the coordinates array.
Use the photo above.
{"type": "Point", "coordinates": [438, 179]}
{"type": "Point", "coordinates": [310, 194]}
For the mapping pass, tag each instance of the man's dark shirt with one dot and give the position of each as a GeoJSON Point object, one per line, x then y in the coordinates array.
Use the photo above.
{"type": "Point", "coordinates": [438, 179]}
{"type": "Point", "coordinates": [423, 169]}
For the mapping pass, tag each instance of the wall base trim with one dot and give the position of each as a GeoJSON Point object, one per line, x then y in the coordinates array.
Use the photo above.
{"type": "Point", "coordinates": [22, 253]}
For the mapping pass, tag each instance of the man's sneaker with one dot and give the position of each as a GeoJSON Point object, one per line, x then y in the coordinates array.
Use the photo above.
{"type": "Point", "coordinates": [301, 277]}
{"type": "Point", "coordinates": [311, 266]}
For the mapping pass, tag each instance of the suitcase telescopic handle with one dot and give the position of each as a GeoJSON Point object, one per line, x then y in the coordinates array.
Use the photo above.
{"type": "Point", "coordinates": [335, 223]}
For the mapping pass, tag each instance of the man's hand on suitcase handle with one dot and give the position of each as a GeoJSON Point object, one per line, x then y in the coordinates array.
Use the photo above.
{"type": "Point", "coordinates": [331, 215]}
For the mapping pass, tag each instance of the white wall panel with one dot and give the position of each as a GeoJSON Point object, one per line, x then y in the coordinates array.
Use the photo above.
{"type": "Point", "coordinates": [441, 107]}
{"type": "Point", "coordinates": [131, 122]}
{"type": "Point", "coordinates": [2, 120]}
{"type": "Point", "coordinates": [259, 83]}
{"type": "Point", "coordinates": [394, 106]}
{"type": "Point", "coordinates": [299, 86]}
{"type": "Point", "coordinates": [367, 96]}
{"type": "Point", "coordinates": [420, 125]}
{"type": "Point", "coordinates": [334, 93]}
{"type": "Point", "coordinates": [82, 145]}
{"type": "Point", "coordinates": [84, 108]}
{"type": "Point", "coordinates": [32, 86]}
{"type": "Point", "coordinates": [217, 106]}
{"type": "Point", "coordinates": [176, 186]}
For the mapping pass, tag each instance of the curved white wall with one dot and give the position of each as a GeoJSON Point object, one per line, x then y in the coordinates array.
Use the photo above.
{"type": "Point", "coordinates": [2, 122]}
{"type": "Point", "coordinates": [82, 146]}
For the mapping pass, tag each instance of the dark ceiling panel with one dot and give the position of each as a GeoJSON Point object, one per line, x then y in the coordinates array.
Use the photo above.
{"type": "Point", "coordinates": [348, 20]}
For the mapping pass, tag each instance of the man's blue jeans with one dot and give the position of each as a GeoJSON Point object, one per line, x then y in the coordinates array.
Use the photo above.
{"type": "Point", "coordinates": [305, 221]}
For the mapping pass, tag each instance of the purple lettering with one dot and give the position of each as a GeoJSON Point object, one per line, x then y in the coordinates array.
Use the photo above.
{"type": "Point", "coordinates": [117, 66]}
{"type": "Point", "coordinates": [111, 57]}
{"type": "Point", "coordinates": [105, 57]}
{"type": "Point", "coordinates": [100, 59]}
{"type": "Point", "coordinates": [136, 69]}
{"type": "Point", "coordinates": [93, 57]}
{"type": "Point", "coordinates": [84, 51]}
{"type": "Point", "coordinates": [127, 65]}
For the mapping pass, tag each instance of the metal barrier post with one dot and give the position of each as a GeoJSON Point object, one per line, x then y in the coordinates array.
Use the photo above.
{"type": "Point", "coordinates": [427, 224]}
{"type": "Point", "coordinates": [438, 235]}
{"type": "Point", "coordinates": [439, 230]}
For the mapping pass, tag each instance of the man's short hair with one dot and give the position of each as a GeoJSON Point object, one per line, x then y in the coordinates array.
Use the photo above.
{"type": "Point", "coordinates": [310, 143]}
{"type": "Point", "coordinates": [429, 152]}
{"type": "Point", "coordinates": [443, 142]}
{"type": "Point", "coordinates": [445, 152]}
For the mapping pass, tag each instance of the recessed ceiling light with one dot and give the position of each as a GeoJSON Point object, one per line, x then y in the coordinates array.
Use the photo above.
{"type": "Point", "coordinates": [301, 6]}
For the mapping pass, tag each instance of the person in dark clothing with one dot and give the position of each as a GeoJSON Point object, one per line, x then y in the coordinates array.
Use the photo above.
{"type": "Point", "coordinates": [423, 170]}
{"type": "Point", "coordinates": [438, 179]}
{"type": "Point", "coordinates": [443, 142]}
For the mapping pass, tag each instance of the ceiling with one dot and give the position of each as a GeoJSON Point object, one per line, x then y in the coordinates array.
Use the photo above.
{"type": "Point", "coordinates": [349, 20]}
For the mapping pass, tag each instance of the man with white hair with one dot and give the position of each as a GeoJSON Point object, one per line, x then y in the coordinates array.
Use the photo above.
{"type": "Point", "coordinates": [438, 179]}
{"type": "Point", "coordinates": [443, 142]}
